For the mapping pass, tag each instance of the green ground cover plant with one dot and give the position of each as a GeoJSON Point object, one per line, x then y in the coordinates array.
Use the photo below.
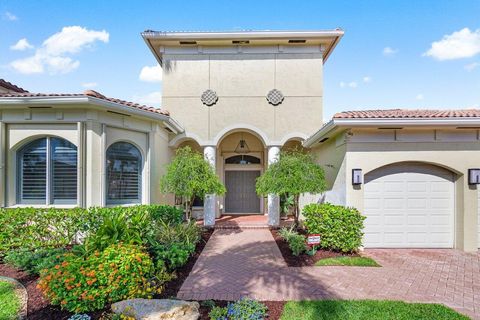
{"type": "Point", "coordinates": [9, 302]}
{"type": "Point", "coordinates": [348, 261]}
{"type": "Point", "coordinates": [367, 310]}
{"type": "Point", "coordinates": [243, 309]}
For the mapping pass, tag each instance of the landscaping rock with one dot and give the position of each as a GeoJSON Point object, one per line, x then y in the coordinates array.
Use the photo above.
{"type": "Point", "coordinates": [156, 309]}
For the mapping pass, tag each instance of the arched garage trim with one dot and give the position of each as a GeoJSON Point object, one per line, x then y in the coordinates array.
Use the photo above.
{"type": "Point", "coordinates": [435, 164]}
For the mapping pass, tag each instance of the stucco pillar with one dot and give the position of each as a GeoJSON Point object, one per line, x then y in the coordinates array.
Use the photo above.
{"type": "Point", "coordinates": [210, 201]}
{"type": "Point", "coordinates": [2, 164]}
{"type": "Point", "coordinates": [273, 199]}
{"type": "Point", "coordinates": [94, 165]}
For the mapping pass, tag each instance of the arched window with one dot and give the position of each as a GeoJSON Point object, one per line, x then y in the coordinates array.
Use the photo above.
{"type": "Point", "coordinates": [242, 159]}
{"type": "Point", "coordinates": [124, 173]}
{"type": "Point", "coordinates": [47, 172]}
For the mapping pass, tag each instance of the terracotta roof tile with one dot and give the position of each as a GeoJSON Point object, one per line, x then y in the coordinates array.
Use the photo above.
{"type": "Point", "coordinates": [406, 114]}
{"type": "Point", "coordinates": [11, 86]}
{"type": "Point", "coordinates": [88, 93]}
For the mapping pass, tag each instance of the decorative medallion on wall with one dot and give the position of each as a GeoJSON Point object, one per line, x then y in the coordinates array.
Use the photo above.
{"type": "Point", "coordinates": [275, 97]}
{"type": "Point", "coordinates": [209, 97]}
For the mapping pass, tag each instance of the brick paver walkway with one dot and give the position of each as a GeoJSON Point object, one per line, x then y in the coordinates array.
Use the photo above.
{"type": "Point", "coordinates": [238, 263]}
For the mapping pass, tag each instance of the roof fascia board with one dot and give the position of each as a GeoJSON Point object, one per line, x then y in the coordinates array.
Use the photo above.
{"type": "Point", "coordinates": [94, 101]}
{"type": "Point", "coordinates": [241, 35]}
{"type": "Point", "coordinates": [334, 124]}
{"type": "Point", "coordinates": [408, 122]}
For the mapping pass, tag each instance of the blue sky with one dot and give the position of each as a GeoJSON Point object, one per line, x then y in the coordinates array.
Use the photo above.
{"type": "Point", "coordinates": [385, 59]}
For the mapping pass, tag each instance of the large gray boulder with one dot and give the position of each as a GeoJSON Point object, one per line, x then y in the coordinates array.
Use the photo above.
{"type": "Point", "coordinates": [155, 309]}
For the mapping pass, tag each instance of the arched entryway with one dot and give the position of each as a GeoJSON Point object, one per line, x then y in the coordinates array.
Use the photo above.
{"type": "Point", "coordinates": [241, 161]}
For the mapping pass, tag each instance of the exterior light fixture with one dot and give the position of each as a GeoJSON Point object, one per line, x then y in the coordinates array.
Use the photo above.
{"type": "Point", "coordinates": [474, 176]}
{"type": "Point", "coordinates": [242, 146]}
{"type": "Point", "coordinates": [357, 178]}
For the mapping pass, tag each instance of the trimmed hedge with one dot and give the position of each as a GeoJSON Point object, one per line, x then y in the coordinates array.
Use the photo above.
{"type": "Point", "coordinates": [33, 228]}
{"type": "Point", "coordinates": [340, 228]}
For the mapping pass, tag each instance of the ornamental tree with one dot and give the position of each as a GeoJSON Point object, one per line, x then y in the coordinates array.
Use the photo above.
{"type": "Point", "coordinates": [293, 174]}
{"type": "Point", "coordinates": [190, 176]}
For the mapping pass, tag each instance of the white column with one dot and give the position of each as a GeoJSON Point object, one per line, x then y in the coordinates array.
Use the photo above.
{"type": "Point", "coordinates": [273, 199]}
{"type": "Point", "coordinates": [94, 172]}
{"type": "Point", "coordinates": [210, 201]}
{"type": "Point", "coordinates": [2, 164]}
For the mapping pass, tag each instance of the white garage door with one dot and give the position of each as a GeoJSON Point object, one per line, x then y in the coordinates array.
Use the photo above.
{"type": "Point", "coordinates": [409, 206]}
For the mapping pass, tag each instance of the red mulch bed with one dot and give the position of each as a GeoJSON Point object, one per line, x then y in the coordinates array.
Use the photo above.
{"type": "Point", "coordinates": [275, 309]}
{"type": "Point", "coordinates": [304, 260]}
{"type": "Point", "coordinates": [40, 309]}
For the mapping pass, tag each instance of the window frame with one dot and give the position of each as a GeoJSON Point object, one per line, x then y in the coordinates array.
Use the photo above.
{"type": "Point", "coordinates": [49, 179]}
{"type": "Point", "coordinates": [139, 200]}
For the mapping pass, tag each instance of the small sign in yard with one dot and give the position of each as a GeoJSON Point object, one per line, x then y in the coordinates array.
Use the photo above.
{"type": "Point", "coordinates": [313, 239]}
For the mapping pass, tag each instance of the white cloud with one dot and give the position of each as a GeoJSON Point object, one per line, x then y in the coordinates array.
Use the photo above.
{"type": "Point", "coordinates": [21, 45]}
{"type": "Point", "coordinates": [460, 44]}
{"type": "Point", "coordinates": [389, 52]}
{"type": "Point", "coordinates": [9, 16]}
{"type": "Point", "coordinates": [89, 84]}
{"type": "Point", "coordinates": [367, 79]}
{"type": "Point", "coordinates": [351, 84]}
{"type": "Point", "coordinates": [472, 66]}
{"type": "Point", "coordinates": [419, 96]}
{"type": "Point", "coordinates": [151, 74]}
{"type": "Point", "coordinates": [52, 55]}
{"type": "Point", "coordinates": [152, 98]}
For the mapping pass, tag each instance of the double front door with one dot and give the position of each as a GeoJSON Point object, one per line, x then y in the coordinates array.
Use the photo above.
{"type": "Point", "coordinates": [241, 197]}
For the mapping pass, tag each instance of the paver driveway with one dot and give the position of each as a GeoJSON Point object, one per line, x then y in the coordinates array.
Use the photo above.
{"type": "Point", "coordinates": [238, 263]}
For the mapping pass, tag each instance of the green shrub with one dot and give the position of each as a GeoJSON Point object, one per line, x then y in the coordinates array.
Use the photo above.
{"type": "Point", "coordinates": [340, 228]}
{"type": "Point", "coordinates": [133, 225]}
{"type": "Point", "coordinates": [297, 244]}
{"type": "Point", "coordinates": [296, 241]}
{"type": "Point", "coordinates": [34, 261]}
{"type": "Point", "coordinates": [174, 244]}
{"type": "Point", "coordinates": [174, 255]}
{"type": "Point", "coordinates": [32, 228]}
{"type": "Point", "coordinates": [218, 313]}
{"type": "Point", "coordinates": [119, 225]}
{"type": "Point", "coordinates": [82, 284]}
{"type": "Point", "coordinates": [168, 214]}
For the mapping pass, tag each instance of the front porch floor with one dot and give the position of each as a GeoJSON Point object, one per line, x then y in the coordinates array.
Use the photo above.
{"type": "Point", "coordinates": [246, 221]}
{"type": "Point", "coordinates": [247, 262]}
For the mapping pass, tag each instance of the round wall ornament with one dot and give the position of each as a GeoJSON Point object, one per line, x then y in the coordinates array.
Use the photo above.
{"type": "Point", "coordinates": [275, 97]}
{"type": "Point", "coordinates": [209, 97]}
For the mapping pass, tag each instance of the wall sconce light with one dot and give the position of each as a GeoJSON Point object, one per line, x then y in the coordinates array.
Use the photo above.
{"type": "Point", "coordinates": [474, 176]}
{"type": "Point", "coordinates": [357, 178]}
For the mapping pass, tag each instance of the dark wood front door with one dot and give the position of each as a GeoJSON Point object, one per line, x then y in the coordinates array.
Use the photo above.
{"type": "Point", "coordinates": [241, 196]}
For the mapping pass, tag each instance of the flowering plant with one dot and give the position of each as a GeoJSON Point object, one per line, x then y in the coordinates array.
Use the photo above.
{"type": "Point", "coordinates": [81, 284]}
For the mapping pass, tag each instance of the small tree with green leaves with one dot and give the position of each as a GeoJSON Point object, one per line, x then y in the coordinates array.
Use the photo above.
{"type": "Point", "coordinates": [190, 176]}
{"type": "Point", "coordinates": [293, 174]}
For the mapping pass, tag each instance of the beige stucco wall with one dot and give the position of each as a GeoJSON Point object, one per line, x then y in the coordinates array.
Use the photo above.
{"type": "Point", "coordinates": [330, 155]}
{"type": "Point", "coordinates": [241, 79]}
{"type": "Point", "coordinates": [453, 149]}
{"type": "Point", "coordinates": [92, 130]}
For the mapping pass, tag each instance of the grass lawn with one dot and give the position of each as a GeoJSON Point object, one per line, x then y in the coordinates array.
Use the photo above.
{"type": "Point", "coordinates": [366, 309]}
{"type": "Point", "coordinates": [348, 261]}
{"type": "Point", "coordinates": [9, 303]}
